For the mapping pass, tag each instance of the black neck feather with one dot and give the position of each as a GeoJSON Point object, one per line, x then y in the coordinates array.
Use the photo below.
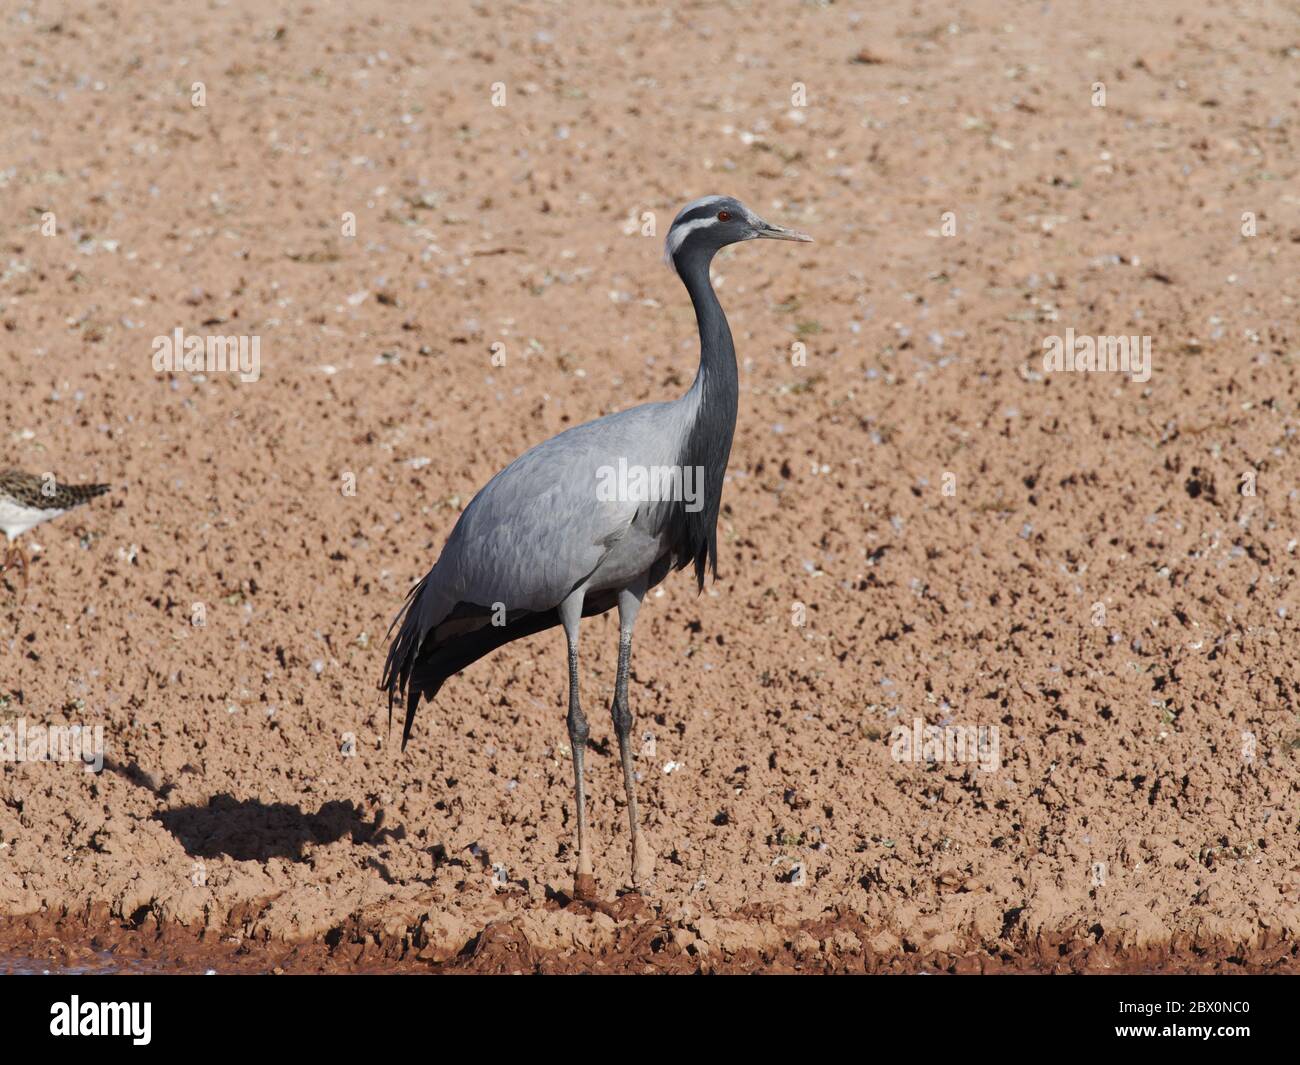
{"type": "Point", "coordinates": [708, 443]}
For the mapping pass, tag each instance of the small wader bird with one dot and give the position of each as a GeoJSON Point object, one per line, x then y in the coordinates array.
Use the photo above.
{"type": "Point", "coordinates": [542, 545]}
{"type": "Point", "coordinates": [26, 500]}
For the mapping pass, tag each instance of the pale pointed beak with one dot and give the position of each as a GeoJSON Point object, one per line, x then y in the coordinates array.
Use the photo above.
{"type": "Point", "coordinates": [774, 232]}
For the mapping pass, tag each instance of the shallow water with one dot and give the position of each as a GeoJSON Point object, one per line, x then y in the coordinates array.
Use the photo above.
{"type": "Point", "coordinates": [105, 963]}
{"type": "Point", "coordinates": [11, 965]}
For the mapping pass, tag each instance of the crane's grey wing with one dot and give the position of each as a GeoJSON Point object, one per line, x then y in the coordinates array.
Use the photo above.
{"type": "Point", "coordinates": [545, 522]}
{"type": "Point", "coordinates": [534, 532]}
{"type": "Point", "coordinates": [537, 529]}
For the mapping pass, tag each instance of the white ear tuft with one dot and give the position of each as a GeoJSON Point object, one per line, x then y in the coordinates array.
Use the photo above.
{"type": "Point", "coordinates": [679, 233]}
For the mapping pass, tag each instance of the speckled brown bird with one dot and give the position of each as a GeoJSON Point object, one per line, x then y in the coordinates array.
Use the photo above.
{"type": "Point", "coordinates": [26, 500]}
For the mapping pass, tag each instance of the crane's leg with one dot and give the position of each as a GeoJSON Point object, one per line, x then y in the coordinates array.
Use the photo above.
{"type": "Point", "coordinates": [629, 602]}
{"type": "Point", "coordinates": [584, 883]}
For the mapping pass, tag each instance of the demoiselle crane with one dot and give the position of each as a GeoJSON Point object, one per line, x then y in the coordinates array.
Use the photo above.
{"type": "Point", "coordinates": [589, 520]}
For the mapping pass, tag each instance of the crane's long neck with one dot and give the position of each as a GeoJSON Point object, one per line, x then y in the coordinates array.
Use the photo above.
{"type": "Point", "coordinates": [717, 372]}
{"type": "Point", "coordinates": [713, 399]}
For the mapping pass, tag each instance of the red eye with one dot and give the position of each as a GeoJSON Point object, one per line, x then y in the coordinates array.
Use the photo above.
{"type": "Point", "coordinates": [724, 216]}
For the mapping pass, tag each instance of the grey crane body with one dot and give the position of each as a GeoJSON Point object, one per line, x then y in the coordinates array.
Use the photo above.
{"type": "Point", "coordinates": [534, 532]}
{"type": "Point", "coordinates": [542, 545]}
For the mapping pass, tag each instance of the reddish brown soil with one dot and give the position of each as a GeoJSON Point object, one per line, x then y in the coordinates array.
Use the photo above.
{"type": "Point", "coordinates": [1124, 827]}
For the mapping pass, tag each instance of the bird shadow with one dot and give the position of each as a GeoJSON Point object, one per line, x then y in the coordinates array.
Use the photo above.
{"type": "Point", "coordinates": [249, 830]}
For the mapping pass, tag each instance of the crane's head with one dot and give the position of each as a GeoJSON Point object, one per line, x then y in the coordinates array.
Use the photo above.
{"type": "Point", "coordinates": [713, 222]}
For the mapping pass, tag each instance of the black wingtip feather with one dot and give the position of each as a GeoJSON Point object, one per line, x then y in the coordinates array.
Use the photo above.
{"type": "Point", "coordinates": [412, 704]}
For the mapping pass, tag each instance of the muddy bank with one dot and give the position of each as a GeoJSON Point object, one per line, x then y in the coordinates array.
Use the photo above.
{"type": "Point", "coordinates": [632, 937]}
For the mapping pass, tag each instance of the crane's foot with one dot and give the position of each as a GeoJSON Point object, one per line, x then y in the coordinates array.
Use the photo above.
{"type": "Point", "coordinates": [584, 882]}
{"type": "Point", "coordinates": [585, 891]}
{"type": "Point", "coordinates": [584, 887]}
